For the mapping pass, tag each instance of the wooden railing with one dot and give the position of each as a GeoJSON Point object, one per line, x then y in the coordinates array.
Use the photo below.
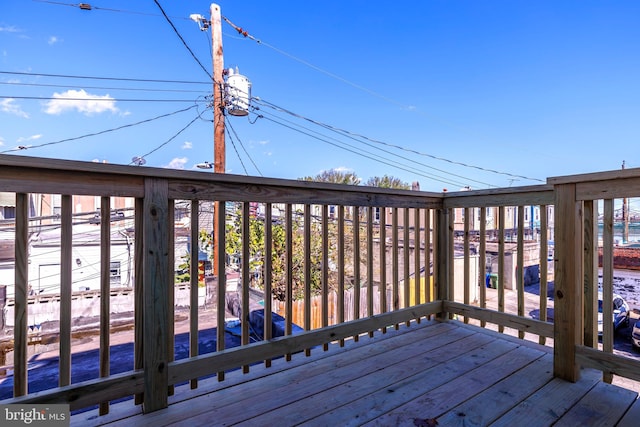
{"type": "Point", "coordinates": [580, 201]}
{"type": "Point", "coordinates": [399, 255]}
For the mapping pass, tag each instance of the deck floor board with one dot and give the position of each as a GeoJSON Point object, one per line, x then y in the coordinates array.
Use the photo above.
{"type": "Point", "coordinates": [451, 373]}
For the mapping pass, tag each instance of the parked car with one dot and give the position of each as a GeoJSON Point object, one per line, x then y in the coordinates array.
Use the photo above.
{"type": "Point", "coordinates": [620, 312]}
{"type": "Point", "coordinates": [635, 335]}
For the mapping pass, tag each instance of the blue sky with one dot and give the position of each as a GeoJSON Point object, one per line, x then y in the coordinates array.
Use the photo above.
{"type": "Point", "coordinates": [447, 93]}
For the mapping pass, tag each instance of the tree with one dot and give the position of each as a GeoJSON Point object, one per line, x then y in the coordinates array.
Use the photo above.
{"type": "Point", "coordinates": [387, 182]}
{"type": "Point", "coordinates": [334, 176]}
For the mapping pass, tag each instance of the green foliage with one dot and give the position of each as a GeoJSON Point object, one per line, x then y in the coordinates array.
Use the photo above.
{"type": "Point", "coordinates": [334, 176]}
{"type": "Point", "coordinates": [387, 182]}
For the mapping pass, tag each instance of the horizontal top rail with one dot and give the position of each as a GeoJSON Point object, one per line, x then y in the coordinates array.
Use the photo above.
{"type": "Point", "coordinates": [512, 196]}
{"type": "Point", "coordinates": [595, 176]}
{"type": "Point", "coordinates": [31, 174]}
{"type": "Point", "coordinates": [603, 185]}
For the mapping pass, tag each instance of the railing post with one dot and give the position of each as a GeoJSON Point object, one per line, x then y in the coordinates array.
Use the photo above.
{"type": "Point", "coordinates": [442, 262]}
{"type": "Point", "coordinates": [568, 257]}
{"type": "Point", "coordinates": [156, 294]}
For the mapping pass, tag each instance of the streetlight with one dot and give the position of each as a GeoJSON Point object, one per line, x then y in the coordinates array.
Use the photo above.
{"type": "Point", "coordinates": [205, 165]}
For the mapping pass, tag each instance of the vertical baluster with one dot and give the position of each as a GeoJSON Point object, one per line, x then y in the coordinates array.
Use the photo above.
{"type": "Point", "coordinates": [66, 249]}
{"type": "Point", "coordinates": [246, 260]}
{"type": "Point", "coordinates": [406, 262]}
{"type": "Point", "coordinates": [442, 262]}
{"type": "Point", "coordinates": [194, 283]}
{"type": "Point", "coordinates": [356, 265]}
{"type": "Point", "coordinates": [451, 256]}
{"type": "Point", "coordinates": [341, 270]}
{"type": "Point", "coordinates": [483, 260]}
{"type": "Point", "coordinates": [590, 274]}
{"type": "Point", "coordinates": [417, 276]}
{"type": "Point", "coordinates": [520, 266]}
{"type": "Point", "coordinates": [607, 284]}
{"type": "Point", "coordinates": [370, 263]}
{"type": "Point", "coordinates": [325, 269]}
{"type": "Point", "coordinates": [466, 277]}
{"type": "Point", "coordinates": [105, 292]}
{"type": "Point", "coordinates": [544, 255]}
{"type": "Point", "coordinates": [307, 271]}
{"type": "Point", "coordinates": [20, 380]}
{"type": "Point", "coordinates": [383, 262]}
{"type": "Point", "coordinates": [289, 275]}
{"type": "Point", "coordinates": [501, 211]}
{"type": "Point", "coordinates": [395, 254]}
{"type": "Point", "coordinates": [220, 262]}
{"type": "Point", "coordinates": [268, 271]}
{"type": "Point", "coordinates": [138, 315]}
{"type": "Point", "coordinates": [171, 289]}
{"type": "Point", "coordinates": [428, 271]}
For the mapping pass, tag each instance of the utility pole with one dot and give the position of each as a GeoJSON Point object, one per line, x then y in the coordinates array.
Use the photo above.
{"type": "Point", "coordinates": [219, 150]}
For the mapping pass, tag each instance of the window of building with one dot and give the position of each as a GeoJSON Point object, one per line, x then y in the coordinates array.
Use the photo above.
{"type": "Point", "coordinates": [8, 212]}
{"type": "Point", "coordinates": [56, 206]}
{"type": "Point", "coordinates": [115, 273]}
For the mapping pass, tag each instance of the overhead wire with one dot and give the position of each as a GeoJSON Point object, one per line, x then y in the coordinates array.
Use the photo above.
{"type": "Point", "coordinates": [361, 154]}
{"type": "Point", "coordinates": [123, 79]}
{"type": "Point", "coordinates": [355, 137]}
{"type": "Point", "coordinates": [100, 132]}
{"type": "Point", "coordinates": [175, 30]}
{"type": "Point", "coordinates": [243, 148]}
{"type": "Point", "coordinates": [169, 140]}
{"type": "Point", "coordinates": [87, 6]}
{"type": "Point", "coordinates": [109, 99]}
{"type": "Point", "coordinates": [236, 150]}
{"type": "Point", "coordinates": [398, 147]}
{"type": "Point", "coordinates": [101, 87]}
{"type": "Point", "coordinates": [310, 65]}
{"type": "Point", "coordinates": [246, 34]}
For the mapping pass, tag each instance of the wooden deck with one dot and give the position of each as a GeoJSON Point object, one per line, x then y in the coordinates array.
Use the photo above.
{"type": "Point", "coordinates": [452, 373]}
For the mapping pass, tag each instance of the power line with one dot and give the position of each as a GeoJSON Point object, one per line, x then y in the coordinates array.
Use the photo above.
{"type": "Point", "coordinates": [98, 133]}
{"type": "Point", "coordinates": [124, 79]}
{"type": "Point", "coordinates": [87, 6]}
{"type": "Point", "coordinates": [236, 150]}
{"type": "Point", "coordinates": [243, 147]}
{"type": "Point", "coordinates": [355, 136]}
{"type": "Point", "coordinates": [266, 103]}
{"type": "Point", "coordinates": [102, 87]}
{"type": "Point", "coordinates": [50, 98]}
{"type": "Point", "coordinates": [371, 157]}
{"type": "Point", "coordinates": [175, 30]}
{"type": "Point", "coordinates": [170, 139]}
{"type": "Point", "coordinates": [314, 67]}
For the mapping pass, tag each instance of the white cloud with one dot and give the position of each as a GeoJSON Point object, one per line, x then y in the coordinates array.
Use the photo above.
{"type": "Point", "coordinates": [342, 169]}
{"type": "Point", "coordinates": [81, 101]}
{"type": "Point", "coordinates": [177, 163]}
{"type": "Point", "coordinates": [9, 29]}
{"type": "Point", "coordinates": [187, 145]}
{"type": "Point", "coordinates": [29, 138]}
{"type": "Point", "coordinates": [8, 106]}
{"type": "Point", "coordinates": [53, 40]}
{"type": "Point", "coordinates": [1, 141]}
{"type": "Point", "coordinates": [263, 142]}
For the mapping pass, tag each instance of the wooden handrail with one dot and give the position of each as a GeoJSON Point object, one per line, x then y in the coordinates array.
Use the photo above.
{"type": "Point", "coordinates": [417, 221]}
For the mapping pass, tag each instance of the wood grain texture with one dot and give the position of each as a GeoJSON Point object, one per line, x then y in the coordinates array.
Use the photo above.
{"type": "Point", "coordinates": [156, 282]}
